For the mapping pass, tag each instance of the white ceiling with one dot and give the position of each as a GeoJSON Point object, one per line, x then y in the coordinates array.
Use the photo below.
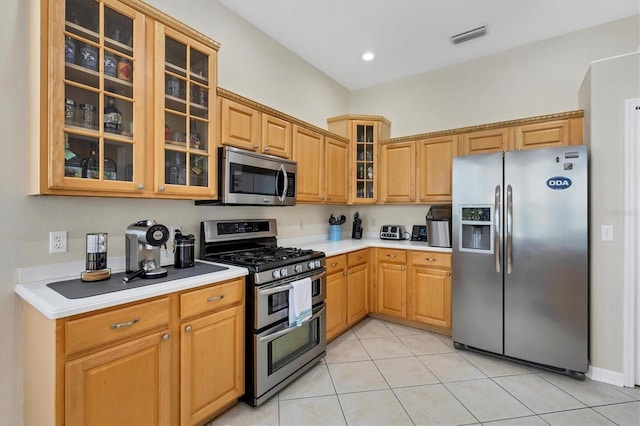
{"type": "Point", "coordinates": [409, 37]}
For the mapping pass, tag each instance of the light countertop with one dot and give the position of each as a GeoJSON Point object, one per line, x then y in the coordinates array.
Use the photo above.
{"type": "Point", "coordinates": [32, 286]}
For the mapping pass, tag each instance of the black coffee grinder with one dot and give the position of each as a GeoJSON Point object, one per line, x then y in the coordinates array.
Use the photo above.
{"type": "Point", "coordinates": [356, 232]}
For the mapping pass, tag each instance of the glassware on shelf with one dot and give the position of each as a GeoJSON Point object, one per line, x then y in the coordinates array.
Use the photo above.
{"type": "Point", "coordinates": [88, 115]}
{"type": "Point", "coordinates": [112, 117]}
{"type": "Point", "coordinates": [90, 166]}
{"type": "Point", "coordinates": [72, 162]}
{"type": "Point", "coordinates": [109, 169]}
{"type": "Point", "coordinates": [110, 64]}
{"type": "Point", "coordinates": [69, 50]}
{"type": "Point", "coordinates": [88, 57]}
{"type": "Point", "coordinates": [69, 111]}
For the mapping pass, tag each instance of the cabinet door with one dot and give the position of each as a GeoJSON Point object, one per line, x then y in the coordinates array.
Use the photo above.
{"type": "Point", "coordinates": [185, 120]}
{"type": "Point", "coordinates": [398, 172]}
{"type": "Point", "coordinates": [357, 293]}
{"type": "Point", "coordinates": [364, 135]}
{"type": "Point", "coordinates": [392, 289]}
{"type": "Point", "coordinates": [128, 384]}
{"type": "Point", "coordinates": [211, 364]}
{"type": "Point", "coordinates": [93, 107]}
{"type": "Point", "coordinates": [486, 141]}
{"type": "Point", "coordinates": [543, 135]}
{"type": "Point", "coordinates": [276, 136]}
{"type": "Point", "coordinates": [308, 151]}
{"type": "Point", "coordinates": [336, 304]}
{"type": "Point", "coordinates": [431, 294]}
{"type": "Point", "coordinates": [336, 170]}
{"type": "Point", "coordinates": [435, 159]}
{"type": "Point", "coordinates": [239, 125]}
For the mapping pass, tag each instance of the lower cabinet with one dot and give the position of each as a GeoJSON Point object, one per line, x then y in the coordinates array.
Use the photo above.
{"type": "Point", "coordinates": [175, 359]}
{"type": "Point", "coordinates": [347, 297]}
{"type": "Point", "coordinates": [431, 289]}
{"type": "Point", "coordinates": [128, 384]}
{"type": "Point", "coordinates": [392, 283]}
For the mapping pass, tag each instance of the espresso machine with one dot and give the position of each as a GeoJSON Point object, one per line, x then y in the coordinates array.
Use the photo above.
{"type": "Point", "coordinates": [143, 241]}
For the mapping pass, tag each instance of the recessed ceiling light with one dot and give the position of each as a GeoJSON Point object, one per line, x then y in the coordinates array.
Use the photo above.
{"type": "Point", "coordinates": [368, 56]}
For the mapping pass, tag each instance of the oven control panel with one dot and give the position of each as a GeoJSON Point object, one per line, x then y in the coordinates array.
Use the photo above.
{"type": "Point", "coordinates": [288, 271]}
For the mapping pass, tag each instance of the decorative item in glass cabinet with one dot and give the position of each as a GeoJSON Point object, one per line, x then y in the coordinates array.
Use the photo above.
{"type": "Point", "coordinates": [112, 117]}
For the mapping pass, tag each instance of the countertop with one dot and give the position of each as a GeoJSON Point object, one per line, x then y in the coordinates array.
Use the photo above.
{"type": "Point", "coordinates": [32, 286]}
{"type": "Point", "coordinates": [54, 305]}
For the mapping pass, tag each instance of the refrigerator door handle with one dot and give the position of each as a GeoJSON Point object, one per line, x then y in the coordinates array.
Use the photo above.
{"type": "Point", "coordinates": [496, 223]}
{"type": "Point", "coordinates": [509, 248]}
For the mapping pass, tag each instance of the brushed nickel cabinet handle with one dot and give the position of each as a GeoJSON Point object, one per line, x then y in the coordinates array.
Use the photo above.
{"type": "Point", "coordinates": [125, 324]}
{"type": "Point", "coordinates": [334, 264]}
{"type": "Point", "coordinates": [265, 150]}
{"type": "Point", "coordinates": [391, 256]}
{"type": "Point", "coordinates": [255, 146]}
{"type": "Point", "coordinates": [215, 299]}
{"type": "Point", "coordinates": [430, 259]}
{"type": "Point", "coordinates": [359, 257]}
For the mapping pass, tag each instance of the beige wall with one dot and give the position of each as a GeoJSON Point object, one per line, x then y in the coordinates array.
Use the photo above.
{"type": "Point", "coordinates": [607, 85]}
{"type": "Point", "coordinates": [256, 67]}
{"type": "Point", "coordinates": [535, 79]}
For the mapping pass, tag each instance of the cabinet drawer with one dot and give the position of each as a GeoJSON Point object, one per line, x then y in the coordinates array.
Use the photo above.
{"type": "Point", "coordinates": [98, 329]}
{"type": "Point", "coordinates": [357, 257]}
{"type": "Point", "coordinates": [211, 298]}
{"type": "Point", "coordinates": [336, 263]}
{"type": "Point", "coordinates": [392, 255]}
{"type": "Point", "coordinates": [430, 258]}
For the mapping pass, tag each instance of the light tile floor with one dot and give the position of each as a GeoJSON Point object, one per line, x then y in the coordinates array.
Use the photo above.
{"type": "Point", "coordinates": [380, 373]}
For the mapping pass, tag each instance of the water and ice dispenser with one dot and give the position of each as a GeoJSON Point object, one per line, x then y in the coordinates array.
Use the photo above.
{"type": "Point", "coordinates": [476, 228]}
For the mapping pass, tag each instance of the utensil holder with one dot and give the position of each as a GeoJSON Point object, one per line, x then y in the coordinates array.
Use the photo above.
{"type": "Point", "coordinates": [334, 232]}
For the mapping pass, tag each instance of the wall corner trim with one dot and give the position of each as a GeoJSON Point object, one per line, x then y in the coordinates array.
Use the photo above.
{"type": "Point", "coordinates": [606, 376]}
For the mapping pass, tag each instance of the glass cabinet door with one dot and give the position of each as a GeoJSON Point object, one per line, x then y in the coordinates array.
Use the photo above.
{"type": "Point", "coordinates": [99, 98]}
{"type": "Point", "coordinates": [187, 90]}
{"type": "Point", "coordinates": [365, 169]}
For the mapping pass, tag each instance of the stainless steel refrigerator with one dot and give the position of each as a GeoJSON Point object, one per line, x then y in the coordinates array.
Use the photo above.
{"type": "Point", "coordinates": [520, 255]}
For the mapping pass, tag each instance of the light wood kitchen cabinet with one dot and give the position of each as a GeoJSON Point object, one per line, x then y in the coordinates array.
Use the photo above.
{"type": "Point", "coordinates": [364, 132]}
{"type": "Point", "coordinates": [336, 171]}
{"type": "Point", "coordinates": [336, 299]}
{"type": "Point", "coordinates": [486, 141]}
{"type": "Point", "coordinates": [128, 384]}
{"type": "Point", "coordinates": [98, 72]}
{"type": "Point", "coordinates": [391, 282]}
{"type": "Point", "coordinates": [398, 172]}
{"type": "Point", "coordinates": [308, 151]}
{"type": "Point", "coordinates": [430, 282]}
{"type": "Point", "coordinates": [347, 298]}
{"type": "Point", "coordinates": [240, 125]}
{"type": "Point", "coordinates": [174, 359]}
{"type": "Point", "coordinates": [275, 136]}
{"type": "Point", "coordinates": [549, 134]}
{"type": "Point", "coordinates": [245, 127]}
{"type": "Point", "coordinates": [435, 168]}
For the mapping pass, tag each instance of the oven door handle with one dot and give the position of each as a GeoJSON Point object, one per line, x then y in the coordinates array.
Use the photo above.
{"type": "Point", "coordinates": [281, 288]}
{"type": "Point", "coordinates": [274, 336]}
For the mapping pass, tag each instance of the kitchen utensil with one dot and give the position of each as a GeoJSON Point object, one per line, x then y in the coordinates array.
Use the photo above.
{"type": "Point", "coordinates": [183, 250]}
{"type": "Point", "coordinates": [356, 232]}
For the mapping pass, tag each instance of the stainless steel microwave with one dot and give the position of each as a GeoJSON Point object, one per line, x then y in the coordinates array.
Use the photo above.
{"type": "Point", "coordinates": [249, 178]}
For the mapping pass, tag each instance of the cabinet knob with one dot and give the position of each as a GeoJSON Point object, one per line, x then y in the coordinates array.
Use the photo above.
{"type": "Point", "coordinates": [421, 198]}
{"type": "Point", "coordinates": [265, 150]}
{"type": "Point", "coordinates": [161, 189]}
{"type": "Point", "coordinates": [188, 328]}
{"type": "Point", "coordinates": [412, 199]}
{"type": "Point", "coordinates": [448, 274]}
{"type": "Point", "coordinates": [165, 337]}
{"type": "Point", "coordinates": [140, 187]}
{"type": "Point", "coordinates": [350, 272]}
{"type": "Point", "coordinates": [344, 274]}
{"type": "Point", "coordinates": [403, 268]}
{"type": "Point", "coordinates": [256, 146]}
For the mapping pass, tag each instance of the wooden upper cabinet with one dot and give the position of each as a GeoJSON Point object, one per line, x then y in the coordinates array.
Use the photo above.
{"type": "Point", "coordinates": [336, 170]}
{"type": "Point", "coordinates": [435, 160]}
{"type": "Point", "coordinates": [549, 134]}
{"type": "Point", "coordinates": [486, 141]}
{"type": "Point", "coordinates": [308, 151]}
{"type": "Point", "coordinates": [275, 136]}
{"type": "Point", "coordinates": [398, 172]}
{"type": "Point", "coordinates": [240, 125]}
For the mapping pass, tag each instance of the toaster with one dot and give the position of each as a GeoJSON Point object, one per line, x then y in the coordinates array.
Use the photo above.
{"type": "Point", "coordinates": [392, 232]}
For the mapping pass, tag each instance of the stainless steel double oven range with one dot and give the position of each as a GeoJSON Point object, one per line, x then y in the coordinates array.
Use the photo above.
{"type": "Point", "coordinates": [276, 354]}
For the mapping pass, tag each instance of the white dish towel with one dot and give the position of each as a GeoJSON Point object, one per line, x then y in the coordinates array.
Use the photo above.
{"type": "Point", "coordinates": [299, 301]}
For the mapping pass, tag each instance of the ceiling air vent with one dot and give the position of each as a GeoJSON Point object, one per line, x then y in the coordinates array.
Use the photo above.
{"type": "Point", "coordinates": [469, 35]}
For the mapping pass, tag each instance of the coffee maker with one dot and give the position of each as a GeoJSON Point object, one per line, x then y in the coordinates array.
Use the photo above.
{"type": "Point", "coordinates": [143, 241]}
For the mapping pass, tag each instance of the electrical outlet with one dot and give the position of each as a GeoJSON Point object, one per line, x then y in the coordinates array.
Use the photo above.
{"type": "Point", "coordinates": [57, 241]}
{"type": "Point", "coordinates": [606, 232]}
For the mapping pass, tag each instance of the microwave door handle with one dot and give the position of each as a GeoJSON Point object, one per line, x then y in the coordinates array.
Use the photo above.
{"type": "Point", "coordinates": [273, 336]}
{"type": "Point", "coordinates": [282, 196]}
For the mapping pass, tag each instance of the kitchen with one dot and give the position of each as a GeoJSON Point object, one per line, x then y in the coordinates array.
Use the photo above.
{"type": "Point", "coordinates": [255, 66]}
